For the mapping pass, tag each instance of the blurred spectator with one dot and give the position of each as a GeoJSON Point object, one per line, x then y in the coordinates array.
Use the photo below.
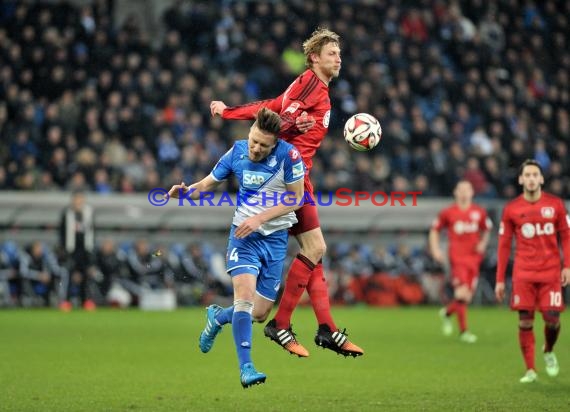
{"type": "Point", "coordinates": [477, 178]}
{"type": "Point", "coordinates": [77, 241]}
{"type": "Point", "coordinates": [10, 281]}
{"type": "Point", "coordinates": [38, 269]}
{"type": "Point", "coordinates": [147, 269]}
{"type": "Point", "coordinates": [103, 282]}
{"type": "Point", "coordinates": [356, 263]}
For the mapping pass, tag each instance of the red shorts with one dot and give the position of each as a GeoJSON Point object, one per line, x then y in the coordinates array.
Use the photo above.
{"type": "Point", "coordinates": [536, 295]}
{"type": "Point", "coordinates": [307, 215]}
{"type": "Point", "coordinates": [465, 273]}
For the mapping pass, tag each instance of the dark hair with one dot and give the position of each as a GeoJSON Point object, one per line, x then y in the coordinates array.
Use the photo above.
{"type": "Point", "coordinates": [268, 121]}
{"type": "Point", "coordinates": [530, 162]}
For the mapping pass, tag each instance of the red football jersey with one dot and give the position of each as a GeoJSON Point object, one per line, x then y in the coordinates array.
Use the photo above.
{"type": "Point", "coordinates": [536, 227]}
{"type": "Point", "coordinates": [306, 94]}
{"type": "Point", "coordinates": [464, 229]}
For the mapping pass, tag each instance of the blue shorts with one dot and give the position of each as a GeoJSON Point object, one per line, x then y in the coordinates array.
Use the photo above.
{"type": "Point", "coordinates": [259, 255]}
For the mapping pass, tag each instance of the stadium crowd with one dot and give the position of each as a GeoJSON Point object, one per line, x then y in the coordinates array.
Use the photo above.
{"type": "Point", "coordinates": [463, 89]}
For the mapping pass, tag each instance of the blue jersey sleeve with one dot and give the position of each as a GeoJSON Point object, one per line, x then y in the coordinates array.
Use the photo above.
{"type": "Point", "coordinates": [223, 168]}
{"type": "Point", "coordinates": [293, 166]}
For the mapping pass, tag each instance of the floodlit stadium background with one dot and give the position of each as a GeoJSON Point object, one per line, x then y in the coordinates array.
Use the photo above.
{"type": "Point", "coordinates": [112, 97]}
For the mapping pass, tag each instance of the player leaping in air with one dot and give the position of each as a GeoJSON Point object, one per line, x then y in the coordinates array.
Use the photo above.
{"type": "Point", "coordinates": [257, 245]}
{"type": "Point", "coordinates": [536, 220]}
{"type": "Point", "coordinates": [305, 111]}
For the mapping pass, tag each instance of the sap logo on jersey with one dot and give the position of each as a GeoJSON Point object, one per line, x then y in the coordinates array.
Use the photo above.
{"type": "Point", "coordinates": [530, 230]}
{"type": "Point", "coordinates": [254, 180]}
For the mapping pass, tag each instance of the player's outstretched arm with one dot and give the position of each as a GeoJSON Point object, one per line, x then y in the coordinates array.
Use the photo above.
{"type": "Point", "coordinates": [245, 111]}
{"type": "Point", "coordinates": [207, 184]}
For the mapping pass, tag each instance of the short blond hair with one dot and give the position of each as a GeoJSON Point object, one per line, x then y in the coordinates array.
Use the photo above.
{"type": "Point", "coordinates": [314, 44]}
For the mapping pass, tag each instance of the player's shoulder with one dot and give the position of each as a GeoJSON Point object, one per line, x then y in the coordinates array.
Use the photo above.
{"type": "Point", "coordinates": [451, 208]}
{"type": "Point", "coordinates": [478, 208]}
{"type": "Point", "coordinates": [240, 146]}
{"type": "Point", "coordinates": [284, 149]}
{"type": "Point", "coordinates": [514, 203]}
{"type": "Point", "coordinates": [306, 77]}
{"type": "Point", "coordinates": [305, 85]}
{"type": "Point", "coordinates": [550, 198]}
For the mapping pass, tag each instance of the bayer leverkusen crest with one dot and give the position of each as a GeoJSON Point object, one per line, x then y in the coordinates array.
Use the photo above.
{"type": "Point", "coordinates": [547, 212]}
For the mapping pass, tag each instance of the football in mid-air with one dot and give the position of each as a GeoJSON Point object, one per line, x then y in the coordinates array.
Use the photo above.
{"type": "Point", "coordinates": [362, 132]}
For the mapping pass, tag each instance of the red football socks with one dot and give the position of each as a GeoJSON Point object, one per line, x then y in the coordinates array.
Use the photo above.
{"type": "Point", "coordinates": [459, 307]}
{"type": "Point", "coordinates": [319, 294]}
{"type": "Point", "coordinates": [451, 308]}
{"type": "Point", "coordinates": [462, 315]}
{"type": "Point", "coordinates": [526, 340]}
{"type": "Point", "coordinates": [295, 285]}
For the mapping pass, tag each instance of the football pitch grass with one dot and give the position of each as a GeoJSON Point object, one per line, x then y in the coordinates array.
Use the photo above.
{"type": "Point", "coordinates": [142, 361]}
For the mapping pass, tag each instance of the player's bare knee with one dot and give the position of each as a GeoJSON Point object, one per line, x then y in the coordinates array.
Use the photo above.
{"type": "Point", "coordinates": [260, 315]}
{"type": "Point", "coordinates": [462, 293]}
{"type": "Point", "coordinates": [526, 323]}
{"type": "Point", "coordinates": [314, 252]}
{"type": "Point", "coordinates": [526, 319]}
{"type": "Point", "coordinates": [244, 292]}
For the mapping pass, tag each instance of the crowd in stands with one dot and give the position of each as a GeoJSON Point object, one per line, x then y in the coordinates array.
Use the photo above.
{"type": "Point", "coordinates": [462, 89]}
{"type": "Point", "coordinates": [118, 274]}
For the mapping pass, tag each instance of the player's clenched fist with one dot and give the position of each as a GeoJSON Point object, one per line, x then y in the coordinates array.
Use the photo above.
{"type": "Point", "coordinates": [217, 107]}
{"type": "Point", "coordinates": [304, 122]}
{"type": "Point", "coordinates": [174, 191]}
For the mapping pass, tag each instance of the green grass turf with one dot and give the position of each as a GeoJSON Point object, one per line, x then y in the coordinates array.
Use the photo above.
{"type": "Point", "coordinates": [137, 361]}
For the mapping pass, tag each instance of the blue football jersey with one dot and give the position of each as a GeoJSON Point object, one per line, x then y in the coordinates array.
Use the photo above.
{"type": "Point", "coordinates": [261, 184]}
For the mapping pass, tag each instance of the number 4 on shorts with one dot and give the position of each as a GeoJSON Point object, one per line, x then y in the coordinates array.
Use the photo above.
{"type": "Point", "coordinates": [234, 255]}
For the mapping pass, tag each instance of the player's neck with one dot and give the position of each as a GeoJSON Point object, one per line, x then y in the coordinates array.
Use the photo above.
{"type": "Point", "coordinates": [533, 196]}
{"type": "Point", "coordinates": [322, 77]}
{"type": "Point", "coordinates": [463, 205]}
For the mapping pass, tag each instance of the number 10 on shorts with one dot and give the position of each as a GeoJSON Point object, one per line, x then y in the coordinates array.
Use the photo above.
{"type": "Point", "coordinates": [555, 298]}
